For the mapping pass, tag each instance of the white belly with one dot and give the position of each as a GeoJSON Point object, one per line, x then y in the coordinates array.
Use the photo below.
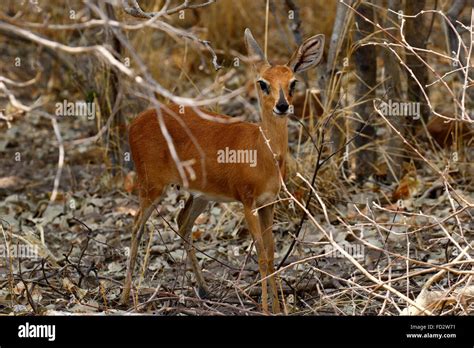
{"type": "Point", "coordinates": [213, 198]}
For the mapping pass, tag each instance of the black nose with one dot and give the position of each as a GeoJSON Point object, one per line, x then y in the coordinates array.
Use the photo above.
{"type": "Point", "coordinates": [282, 107]}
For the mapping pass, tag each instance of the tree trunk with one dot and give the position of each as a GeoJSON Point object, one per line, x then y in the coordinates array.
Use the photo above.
{"type": "Point", "coordinates": [453, 42]}
{"type": "Point", "coordinates": [394, 93]}
{"type": "Point", "coordinates": [366, 66]}
{"type": "Point", "coordinates": [117, 135]}
{"type": "Point", "coordinates": [416, 34]}
{"type": "Point", "coordinates": [330, 88]}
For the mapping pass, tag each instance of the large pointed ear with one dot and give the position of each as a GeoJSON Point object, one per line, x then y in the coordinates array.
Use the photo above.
{"type": "Point", "coordinates": [254, 50]}
{"type": "Point", "coordinates": [308, 55]}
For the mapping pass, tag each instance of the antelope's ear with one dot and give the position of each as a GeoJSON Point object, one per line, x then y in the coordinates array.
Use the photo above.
{"type": "Point", "coordinates": [308, 55]}
{"type": "Point", "coordinates": [254, 50]}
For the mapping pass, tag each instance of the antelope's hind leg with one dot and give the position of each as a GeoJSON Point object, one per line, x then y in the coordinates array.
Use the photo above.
{"type": "Point", "coordinates": [195, 205]}
{"type": "Point", "coordinates": [148, 202]}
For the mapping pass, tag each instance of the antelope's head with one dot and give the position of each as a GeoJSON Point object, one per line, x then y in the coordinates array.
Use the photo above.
{"type": "Point", "coordinates": [276, 83]}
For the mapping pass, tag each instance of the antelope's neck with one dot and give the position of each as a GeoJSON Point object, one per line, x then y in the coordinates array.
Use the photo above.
{"type": "Point", "coordinates": [276, 130]}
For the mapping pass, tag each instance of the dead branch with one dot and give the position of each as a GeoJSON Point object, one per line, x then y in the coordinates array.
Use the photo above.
{"type": "Point", "coordinates": [132, 8]}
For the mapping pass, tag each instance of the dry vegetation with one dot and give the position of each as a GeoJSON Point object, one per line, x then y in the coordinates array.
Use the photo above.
{"type": "Point", "coordinates": [66, 187]}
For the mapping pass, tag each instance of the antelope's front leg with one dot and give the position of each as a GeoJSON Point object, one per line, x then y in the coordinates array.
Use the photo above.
{"type": "Point", "coordinates": [254, 228]}
{"type": "Point", "coordinates": [266, 224]}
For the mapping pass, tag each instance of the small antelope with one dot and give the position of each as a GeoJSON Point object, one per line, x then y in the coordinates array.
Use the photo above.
{"type": "Point", "coordinates": [256, 186]}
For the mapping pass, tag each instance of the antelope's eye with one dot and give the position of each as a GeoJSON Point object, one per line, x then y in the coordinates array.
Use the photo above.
{"type": "Point", "coordinates": [264, 86]}
{"type": "Point", "coordinates": [292, 87]}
